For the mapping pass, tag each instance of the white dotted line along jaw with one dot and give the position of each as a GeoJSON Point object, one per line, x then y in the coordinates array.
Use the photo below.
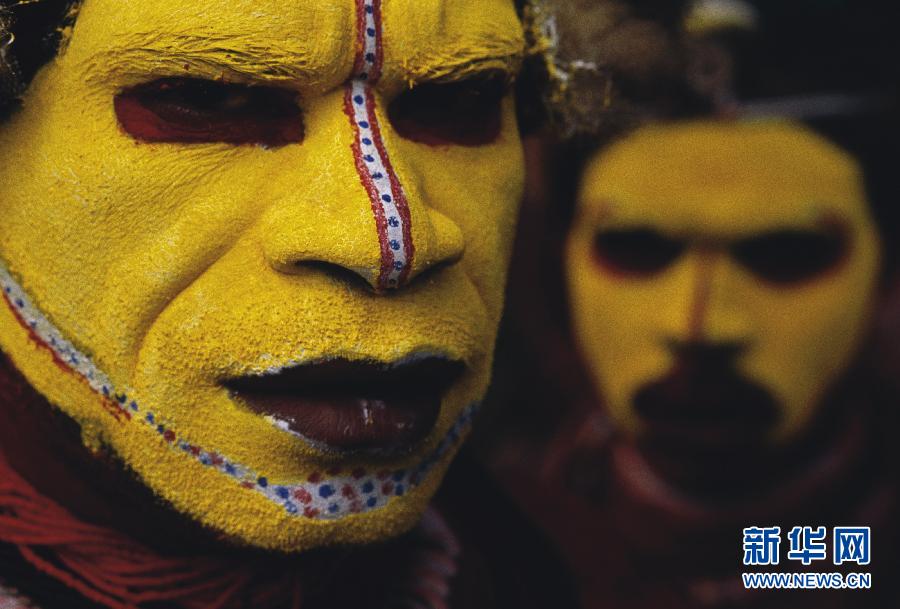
{"type": "Point", "coordinates": [373, 163]}
{"type": "Point", "coordinates": [326, 495]}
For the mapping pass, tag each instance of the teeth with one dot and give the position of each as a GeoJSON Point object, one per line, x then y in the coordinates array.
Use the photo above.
{"type": "Point", "coordinates": [281, 424]}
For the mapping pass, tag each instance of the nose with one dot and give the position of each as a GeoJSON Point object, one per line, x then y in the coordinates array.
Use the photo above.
{"type": "Point", "coordinates": [346, 206]}
{"type": "Point", "coordinates": [708, 320]}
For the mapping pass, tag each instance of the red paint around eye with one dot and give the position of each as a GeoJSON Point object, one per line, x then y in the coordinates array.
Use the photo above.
{"type": "Point", "coordinates": [466, 113]}
{"type": "Point", "coordinates": [193, 111]}
{"type": "Point", "coordinates": [793, 257]}
{"type": "Point", "coordinates": [635, 252]}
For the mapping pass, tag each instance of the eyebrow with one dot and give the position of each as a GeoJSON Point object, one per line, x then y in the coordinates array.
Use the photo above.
{"type": "Point", "coordinates": [466, 62]}
{"type": "Point", "coordinates": [243, 58]}
{"type": "Point", "coordinates": [239, 56]}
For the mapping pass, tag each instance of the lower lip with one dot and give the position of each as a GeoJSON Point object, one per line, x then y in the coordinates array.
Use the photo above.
{"type": "Point", "coordinates": [384, 424]}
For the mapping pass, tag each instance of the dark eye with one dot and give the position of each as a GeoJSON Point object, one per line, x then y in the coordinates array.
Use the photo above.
{"type": "Point", "coordinates": [465, 113]}
{"type": "Point", "coordinates": [640, 252]}
{"type": "Point", "coordinates": [791, 256]}
{"type": "Point", "coordinates": [187, 110]}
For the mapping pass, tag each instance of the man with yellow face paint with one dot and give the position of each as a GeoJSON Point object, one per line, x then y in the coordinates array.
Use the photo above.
{"type": "Point", "coordinates": [724, 277]}
{"type": "Point", "coordinates": [726, 272]}
{"type": "Point", "coordinates": [253, 255]}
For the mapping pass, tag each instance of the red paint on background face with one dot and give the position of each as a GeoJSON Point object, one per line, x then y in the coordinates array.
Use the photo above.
{"type": "Point", "coordinates": [195, 111]}
{"type": "Point", "coordinates": [702, 290]}
{"type": "Point", "coordinates": [636, 253]}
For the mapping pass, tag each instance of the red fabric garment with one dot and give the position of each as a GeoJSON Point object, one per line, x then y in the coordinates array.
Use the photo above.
{"type": "Point", "coordinates": [117, 572]}
{"type": "Point", "coordinates": [635, 542]}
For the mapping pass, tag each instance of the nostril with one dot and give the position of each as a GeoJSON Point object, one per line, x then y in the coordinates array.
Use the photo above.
{"type": "Point", "coordinates": [337, 273]}
{"type": "Point", "coordinates": [431, 272]}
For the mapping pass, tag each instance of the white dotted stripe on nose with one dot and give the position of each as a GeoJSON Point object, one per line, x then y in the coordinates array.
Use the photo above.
{"type": "Point", "coordinates": [373, 163]}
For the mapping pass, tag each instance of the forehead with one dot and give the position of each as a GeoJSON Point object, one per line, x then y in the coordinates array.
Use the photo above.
{"type": "Point", "coordinates": [309, 41]}
{"type": "Point", "coordinates": [724, 178]}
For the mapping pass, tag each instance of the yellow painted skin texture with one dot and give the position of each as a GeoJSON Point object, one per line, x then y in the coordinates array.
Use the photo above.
{"type": "Point", "coordinates": [713, 183]}
{"type": "Point", "coordinates": [173, 266]}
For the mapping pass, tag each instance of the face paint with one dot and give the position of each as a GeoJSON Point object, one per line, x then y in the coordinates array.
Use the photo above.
{"type": "Point", "coordinates": [738, 260]}
{"type": "Point", "coordinates": [158, 267]}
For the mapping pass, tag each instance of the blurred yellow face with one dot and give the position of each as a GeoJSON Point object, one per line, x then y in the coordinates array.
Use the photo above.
{"type": "Point", "coordinates": [258, 248]}
{"type": "Point", "coordinates": [721, 277]}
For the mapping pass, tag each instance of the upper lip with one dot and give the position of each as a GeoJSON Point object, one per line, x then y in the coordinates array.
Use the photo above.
{"type": "Point", "coordinates": [353, 406]}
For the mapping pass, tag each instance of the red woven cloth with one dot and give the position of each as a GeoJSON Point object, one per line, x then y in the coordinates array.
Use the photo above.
{"type": "Point", "coordinates": [117, 572]}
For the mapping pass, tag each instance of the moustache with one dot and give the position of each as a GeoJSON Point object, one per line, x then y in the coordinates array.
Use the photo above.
{"type": "Point", "coordinates": [703, 405]}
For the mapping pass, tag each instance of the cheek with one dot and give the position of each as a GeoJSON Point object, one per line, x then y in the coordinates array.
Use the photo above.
{"type": "Point", "coordinates": [806, 338]}
{"type": "Point", "coordinates": [479, 189]}
{"type": "Point", "coordinates": [107, 230]}
{"type": "Point", "coordinates": [612, 313]}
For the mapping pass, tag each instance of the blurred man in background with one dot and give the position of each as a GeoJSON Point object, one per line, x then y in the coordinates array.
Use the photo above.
{"type": "Point", "coordinates": [730, 269]}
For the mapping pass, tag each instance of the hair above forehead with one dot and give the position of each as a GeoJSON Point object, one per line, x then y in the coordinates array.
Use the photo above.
{"type": "Point", "coordinates": [32, 32]}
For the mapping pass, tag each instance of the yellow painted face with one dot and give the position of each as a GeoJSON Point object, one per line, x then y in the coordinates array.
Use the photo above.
{"type": "Point", "coordinates": [199, 192]}
{"type": "Point", "coordinates": [744, 250]}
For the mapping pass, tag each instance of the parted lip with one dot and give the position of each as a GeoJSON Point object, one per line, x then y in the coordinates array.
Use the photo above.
{"type": "Point", "coordinates": [353, 407]}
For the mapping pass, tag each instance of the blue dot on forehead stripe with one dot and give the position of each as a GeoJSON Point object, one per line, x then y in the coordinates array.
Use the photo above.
{"type": "Point", "coordinates": [326, 491]}
{"type": "Point", "coordinates": [386, 198]}
{"type": "Point", "coordinates": [370, 9]}
{"type": "Point", "coordinates": [367, 141]}
{"type": "Point", "coordinates": [364, 124]}
{"type": "Point", "coordinates": [370, 31]}
{"type": "Point", "coordinates": [359, 99]}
